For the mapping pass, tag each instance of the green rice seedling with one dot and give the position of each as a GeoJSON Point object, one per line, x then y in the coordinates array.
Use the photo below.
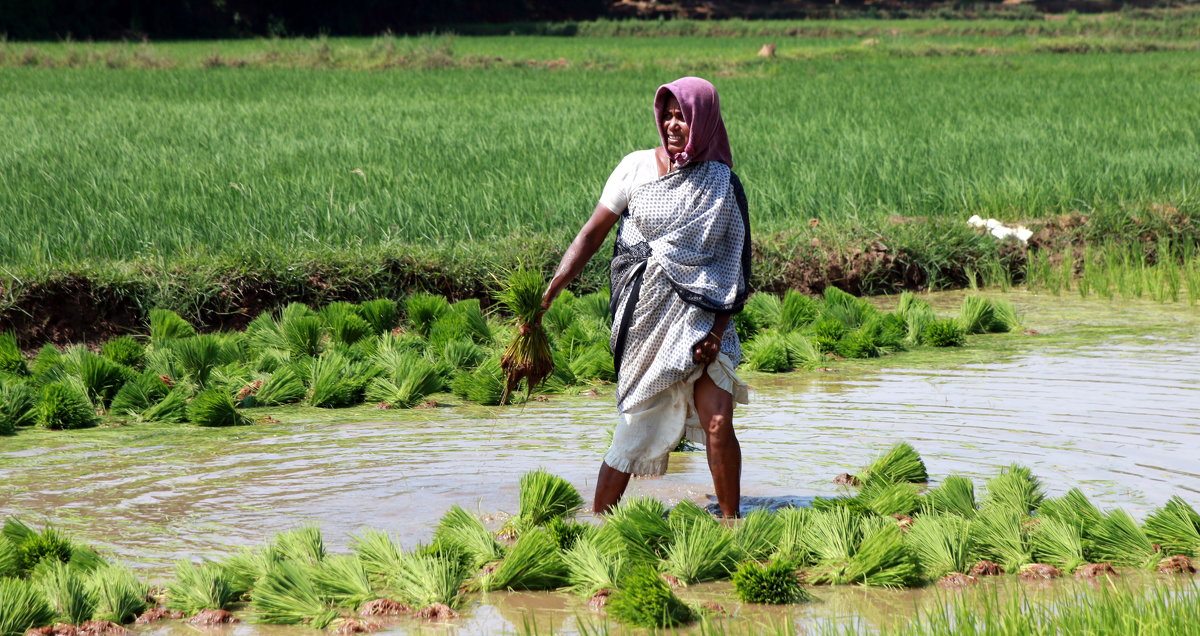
{"type": "Point", "coordinates": [10, 560]}
{"type": "Point", "coordinates": [560, 316]}
{"type": "Point", "coordinates": [64, 587]}
{"type": "Point", "coordinates": [882, 559]}
{"type": "Point", "coordinates": [594, 362]}
{"type": "Point", "coordinates": [344, 324]}
{"type": "Point", "coordinates": [827, 333]}
{"type": "Point", "coordinates": [215, 408]}
{"type": "Point", "coordinates": [545, 497]}
{"type": "Point", "coordinates": [687, 510]}
{"type": "Point", "coordinates": [886, 499]}
{"type": "Point", "coordinates": [1015, 487]}
{"type": "Point", "coordinates": [449, 327]}
{"type": "Point", "coordinates": [303, 334]}
{"type": "Point", "coordinates": [590, 569]}
{"type": "Point", "coordinates": [120, 597]}
{"type": "Point", "coordinates": [64, 406]}
{"type": "Point", "coordinates": [139, 394]}
{"type": "Point", "coordinates": [244, 568]}
{"type": "Point", "coordinates": [284, 386]}
{"type": "Point", "coordinates": [1117, 539]}
{"type": "Point", "coordinates": [757, 535]}
{"type": "Point", "coordinates": [47, 364]}
{"type": "Point", "coordinates": [803, 351]}
{"type": "Point", "coordinates": [167, 325]}
{"type": "Point", "coordinates": [336, 381]}
{"type": "Point", "coordinates": [303, 545]}
{"type": "Point", "coordinates": [22, 607]}
{"type": "Point", "coordinates": [636, 527]}
{"type": "Point", "coordinates": [16, 531]}
{"type": "Point", "coordinates": [999, 534]}
{"type": "Point", "coordinates": [793, 527]}
{"type": "Point", "coordinates": [379, 554]}
{"type": "Point", "coordinates": [567, 533]}
{"type": "Point", "coordinates": [916, 314]}
{"type": "Point", "coordinates": [1058, 543]}
{"type": "Point", "coordinates": [485, 384]}
{"type": "Point", "coordinates": [287, 595]}
{"type": "Point", "coordinates": [458, 355]}
{"type": "Point", "coordinates": [955, 495]}
{"type": "Point", "coordinates": [406, 380]}
{"type": "Point", "coordinates": [1072, 508]}
{"type": "Point", "coordinates": [11, 360]}
{"type": "Point", "coordinates": [200, 587]}
{"type": "Point", "coordinates": [18, 406]}
{"type": "Point", "coordinates": [833, 535]}
{"type": "Point", "coordinates": [941, 542]}
{"type": "Point", "coordinates": [380, 314]}
{"type": "Point", "coordinates": [125, 351]}
{"type": "Point", "coordinates": [645, 600]}
{"type": "Point", "coordinates": [595, 306]}
{"type": "Point", "coordinates": [900, 464]}
{"type": "Point", "coordinates": [976, 315]}
{"type": "Point", "coordinates": [701, 550]}
{"type": "Point", "coordinates": [232, 378]}
{"type": "Point", "coordinates": [99, 376]}
{"type": "Point", "coordinates": [861, 342]}
{"type": "Point", "coordinates": [343, 581]}
{"type": "Point", "coordinates": [532, 563]}
{"type": "Point", "coordinates": [426, 579]}
{"type": "Point", "coordinates": [162, 362]}
{"type": "Point", "coordinates": [774, 584]}
{"type": "Point", "coordinates": [846, 308]}
{"type": "Point", "coordinates": [199, 355]}
{"type": "Point", "coordinates": [943, 333]}
{"type": "Point", "coordinates": [768, 352]}
{"type": "Point", "coordinates": [762, 312]}
{"type": "Point", "coordinates": [49, 545]}
{"type": "Point", "coordinates": [1175, 527]}
{"type": "Point", "coordinates": [472, 316]}
{"type": "Point", "coordinates": [528, 358]}
{"type": "Point", "coordinates": [463, 531]}
{"type": "Point", "coordinates": [1004, 317]}
{"type": "Point", "coordinates": [797, 311]}
{"type": "Point", "coordinates": [264, 333]}
{"type": "Point", "coordinates": [423, 310]}
{"type": "Point", "coordinates": [173, 408]}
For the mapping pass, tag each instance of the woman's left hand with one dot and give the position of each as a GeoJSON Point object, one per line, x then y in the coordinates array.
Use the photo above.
{"type": "Point", "coordinates": [705, 351]}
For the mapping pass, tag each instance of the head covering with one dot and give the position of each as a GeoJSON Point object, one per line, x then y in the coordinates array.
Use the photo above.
{"type": "Point", "coordinates": [707, 140]}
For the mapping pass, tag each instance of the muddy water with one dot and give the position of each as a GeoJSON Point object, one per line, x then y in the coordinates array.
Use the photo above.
{"type": "Point", "coordinates": [1106, 397]}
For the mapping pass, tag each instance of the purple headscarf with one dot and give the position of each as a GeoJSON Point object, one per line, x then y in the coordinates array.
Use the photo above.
{"type": "Point", "coordinates": [707, 140]}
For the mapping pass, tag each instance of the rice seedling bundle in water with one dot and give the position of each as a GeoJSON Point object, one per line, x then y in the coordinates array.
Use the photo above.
{"type": "Point", "coordinates": [65, 589]}
{"type": "Point", "coordinates": [885, 499]}
{"type": "Point", "coordinates": [167, 325]}
{"type": "Point", "coordinates": [916, 314]}
{"type": "Point", "coordinates": [793, 525]}
{"type": "Point", "coordinates": [999, 534]}
{"type": "Point", "coordinates": [590, 569]}
{"type": "Point", "coordinates": [635, 527]}
{"type": "Point", "coordinates": [486, 384]}
{"type": "Point", "coordinates": [336, 381]}
{"type": "Point", "coordinates": [1058, 543]}
{"type": "Point", "coordinates": [125, 351]}
{"type": "Point", "coordinates": [594, 363]}
{"type": "Point", "coordinates": [99, 376]}
{"type": "Point", "coordinates": [827, 332]}
{"type": "Point", "coordinates": [476, 323]}
{"type": "Point", "coordinates": [64, 406]}
{"type": "Point", "coordinates": [768, 352]}
{"type": "Point", "coordinates": [1119, 540]}
{"type": "Point", "coordinates": [567, 533]}
{"type": "Point", "coordinates": [882, 559]}
{"type": "Point", "coordinates": [303, 545]}
{"type": "Point", "coordinates": [976, 315]}
{"type": "Point", "coordinates": [761, 313]}
{"type": "Point", "coordinates": [426, 579]}
{"type": "Point", "coordinates": [775, 583]}
{"type": "Point", "coordinates": [380, 314]}
{"type": "Point", "coordinates": [464, 531]}
{"type": "Point", "coordinates": [287, 595]}
{"type": "Point", "coordinates": [407, 379]}
{"type": "Point", "coordinates": [215, 408]}
{"type": "Point", "coordinates": [139, 394]}
{"type": "Point", "coordinates": [1015, 487]}
{"type": "Point", "coordinates": [528, 358]}
{"type": "Point", "coordinates": [199, 587]}
{"type": "Point", "coordinates": [11, 360]}
{"type": "Point", "coordinates": [120, 597]}
{"type": "Point", "coordinates": [10, 563]}
{"type": "Point", "coordinates": [344, 582]}
{"type": "Point", "coordinates": [833, 535]}
{"type": "Point", "coordinates": [17, 406]}
{"type": "Point", "coordinates": [797, 311]}
{"type": "Point", "coordinates": [379, 554]}
{"type": "Point", "coordinates": [22, 607]}
{"type": "Point", "coordinates": [532, 563]}
{"type": "Point", "coordinates": [941, 543]}
{"type": "Point", "coordinates": [645, 600]}
{"type": "Point", "coordinates": [1072, 508]}
{"type": "Point", "coordinates": [1176, 528]}
{"type": "Point", "coordinates": [846, 308]}
{"type": "Point", "coordinates": [172, 408]}
{"type": "Point", "coordinates": [758, 534]}
{"type": "Point", "coordinates": [284, 386]}
{"type": "Point", "coordinates": [701, 550]}
{"type": "Point", "coordinates": [545, 497]}
{"type": "Point", "coordinates": [955, 495]}
{"type": "Point", "coordinates": [900, 464]}
{"type": "Point", "coordinates": [423, 310]}
{"type": "Point", "coordinates": [344, 324]}
{"type": "Point", "coordinates": [560, 316]}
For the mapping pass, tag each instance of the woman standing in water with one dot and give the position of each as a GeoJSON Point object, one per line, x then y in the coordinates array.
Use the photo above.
{"type": "Point", "coordinates": [680, 270]}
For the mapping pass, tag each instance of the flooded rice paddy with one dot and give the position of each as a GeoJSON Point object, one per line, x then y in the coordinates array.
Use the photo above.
{"type": "Point", "coordinates": [1105, 397]}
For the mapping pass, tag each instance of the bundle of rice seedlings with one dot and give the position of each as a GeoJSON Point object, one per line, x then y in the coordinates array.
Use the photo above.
{"type": "Point", "coordinates": [426, 579]}
{"type": "Point", "coordinates": [125, 351]}
{"type": "Point", "coordinates": [846, 308]}
{"type": "Point", "coordinates": [762, 312]}
{"type": "Point", "coordinates": [287, 595]}
{"type": "Point", "coordinates": [882, 559]}
{"type": "Point", "coordinates": [379, 554]}
{"type": "Point", "coordinates": [10, 563]}
{"type": "Point", "coordinates": [303, 545]}
{"type": "Point", "coordinates": [99, 376]}
{"type": "Point", "coordinates": [545, 497]}
{"type": "Point", "coordinates": [451, 326]}
{"type": "Point", "coordinates": [701, 550]}
{"type": "Point", "coordinates": [247, 566]}
{"type": "Point", "coordinates": [999, 534]}
{"type": "Point", "coordinates": [976, 315]}
{"type": "Point", "coordinates": [199, 355]}
{"type": "Point", "coordinates": [64, 406]}
{"type": "Point", "coordinates": [793, 527]}
{"type": "Point", "coordinates": [303, 335]}
{"type": "Point", "coordinates": [284, 386]}
{"type": "Point", "coordinates": [336, 381]}
{"type": "Point", "coordinates": [485, 384]}
{"type": "Point", "coordinates": [567, 533]}
{"type": "Point", "coordinates": [532, 563]}
{"type": "Point", "coordinates": [463, 531]}
{"type": "Point", "coordinates": [167, 325]}
{"type": "Point", "coordinates": [900, 464]}
{"type": "Point", "coordinates": [803, 351]}
{"type": "Point", "coordinates": [943, 333]}
{"type": "Point", "coordinates": [687, 510]}
{"type": "Point", "coordinates": [775, 583]}
{"type": "Point", "coordinates": [797, 311]}
{"type": "Point", "coordinates": [120, 597]}
{"type": "Point", "coordinates": [343, 581]}
{"type": "Point", "coordinates": [955, 495]}
{"type": "Point", "coordinates": [636, 527]}
{"type": "Point", "coordinates": [1057, 543]}
{"type": "Point", "coordinates": [916, 314]}
{"type": "Point", "coordinates": [22, 607]}
{"type": "Point", "coordinates": [768, 352]}
{"type": "Point", "coordinates": [643, 599]}
{"type": "Point", "coordinates": [594, 362]}
{"type": "Point", "coordinates": [423, 310]}
{"type": "Point", "coordinates": [406, 380]}
{"type": "Point", "coordinates": [1072, 508]}
{"type": "Point", "coordinates": [46, 363]}
{"type": "Point", "coordinates": [1015, 487]}
{"type": "Point", "coordinates": [472, 314]}
{"type": "Point", "coordinates": [595, 306]}
{"type": "Point", "coordinates": [827, 333]}
{"type": "Point", "coordinates": [1117, 539]}
{"type": "Point", "coordinates": [941, 543]}
{"type": "Point", "coordinates": [590, 569]}
{"type": "Point", "coordinates": [344, 324]}
{"type": "Point", "coordinates": [885, 498]}
{"type": "Point", "coordinates": [199, 587]}
{"type": "Point", "coordinates": [528, 358]}
{"type": "Point", "coordinates": [65, 589]}
{"type": "Point", "coordinates": [1004, 317]}
{"type": "Point", "coordinates": [1175, 527]}
{"type": "Point", "coordinates": [235, 378]}
{"type": "Point", "coordinates": [172, 408]}
{"type": "Point", "coordinates": [860, 343]}
{"type": "Point", "coordinates": [561, 314]}
{"type": "Point", "coordinates": [264, 333]}
{"type": "Point", "coordinates": [758, 534]}
{"type": "Point", "coordinates": [380, 314]}
{"type": "Point", "coordinates": [833, 535]}
{"type": "Point", "coordinates": [18, 406]}
{"type": "Point", "coordinates": [458, 355]}
{"type": "Point", "coordinates": [139, 394]}
{"type": "Point", "coordinates": [11, 360]}
{"type": "Point", "coordinates": [215, 408]}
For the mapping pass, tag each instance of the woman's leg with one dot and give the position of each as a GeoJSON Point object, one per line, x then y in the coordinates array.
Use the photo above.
{"type": "Point", "coordinates": [714, 405]}
{"type": "Point", "coordinates": [610, 485]}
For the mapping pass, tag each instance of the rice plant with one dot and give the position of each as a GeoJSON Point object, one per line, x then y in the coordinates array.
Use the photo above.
{"type": "Point", "coordinates": [284, 386]}
{"type": "Point", "coordinates": [379, 554]}
{"type": "Point", "coordinates": [976, 315]}
{"type": "Point", "coordinates": [476, 323]}
{"type": "Point", "coordinates": [560, 316]}
{"type": "Point", "coordinates": [636, 527]}
{"type": "Point", "coordinates": [1058, 543]}
{"type": "Point", "coordinates": [1072, 508]}
{"type": "Point", "coordinates": [941, 543]}
{"type": "Point", "coordinates": [64, 406]}
{"type": "Point", "coordinates": [793, 526]}
{"type": "Point", "coordinates": [380, 314]}
{"type": "Point", "coordinates": [124, 351]}
{"type": "Point", "coordinates": [464, 531]}
{"type": "Point", "coordinates": [22, 607]}
{"type": "Point", "coordinates": [1119, 540]}
{"type": "Point", "coordinates": [287, 595]}
{"type": "Point", "coordinates": [528, 358]}
{"type": "Point", "coordinates": [882, 559]}
{"type": "Point", "coordinates": [426, 579]}
{"type": "Point", "coordinates": [10, 560]}
{"type": "Point", "coordinates": [803, 351]}
{"type": "Point", "coordinates": [99, 376]}
{"type": "Point", "coordinates": [336, 381]}
{"type": "Point", "coordinates": [1004, 317]}
{"type": "Point", "coordinates": [943, 333]}
{"type": "Point", "coordinates": [167, 325]}
{"type": "Point", "coordinates": [757, 536]}
{"type": "Point", "coordinates": [47, 364]}
{"type": "Point", "coordinates": [701, 550]}
{"type": "Point", "coordinates": [861, 342]}
{"type": "Point", "coordinates": [65, 588]}
{"type": "Point", "coordinates": [139, 394]}
{"type": "Point", "coordinates": [846, 308]}
{"type": "Point", "coordinates": [797, 311]}
{"type": "Point", "coordinates": [343, 581]}
{"type": "Point", "coordinates": [215, 408]}
{"type": "Point", "coordinates": [303, 334]}
{"type": "Point", "coordinates": [885, 499]}
{"type": "Point", "coordinates": [344, 323]}
{"type": "Point", "coordinates": [406, 380]}
{"type": "Point", "coordinates": [302, 545]}
{"type": "Point", "coordinates": [999, 534]}
{"type": "Point", "coordinates": [1175, 527]}
{"type": "Point", "coordinates": [567, 533]}
{"type": "Point", "coordinates": [200, 587]}
{"type": "Point", "coordinates": [120, 597]}
{"type": "Point", "coordinates": [18, 406]}
{"type": "Point", "coordinates": [1015, 487]}
{"type": "Point", "coordinates": [423, 310]}
{"type": "Point", "coordinates": [955, 495]}
{"type": "Point", "coordinates": [916, 314]}
{"type": "Point", "coordinates": [545, 497]}
{"type": "Point", "coordinates": [769, 353]}
{"type": "Point", "coordinates": [199, 355]}
{"type": "Point", "coordinates": [532, 563]}
{"type": "Point", "coordinates": [594, 362]}
{"type": "Point", "coordinates": [900, 464]}
{"type": "Point", "coordinates": [484, 385]}
{"type": "Point", "coordinates": [826, 333]}
{"type": "Point", "coordinates": [595, 306]}
{"type": "Point", "coordinates": [774, 584]}
{"type": "Point", "coordinates": [833, 535]}
{"type": "Point", "coordinates": [590, 569]}
{"type": "Point", "coordinates": [244, 568]}
{"type": "Point", "coordinates": [762, 312]}
{"type": "Point", "coordinates": [644, 600]}
{"type": "Point", "coordinates": [458, 355]}
{"type": "Point", "coordinates": [173, 407]}
{"type": "Point", "coordinates": [11, 360]}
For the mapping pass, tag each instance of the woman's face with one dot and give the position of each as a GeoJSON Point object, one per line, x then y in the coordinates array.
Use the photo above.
{"type": "Point", "coordinates": [674, 127]}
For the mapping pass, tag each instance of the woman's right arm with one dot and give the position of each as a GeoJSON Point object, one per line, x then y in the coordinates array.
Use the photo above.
{"type": "Point", "coordinates": [581, 250]}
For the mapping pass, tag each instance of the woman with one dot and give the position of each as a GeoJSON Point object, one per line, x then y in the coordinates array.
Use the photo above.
{"type": "Point", "coordinates": [680, 270]}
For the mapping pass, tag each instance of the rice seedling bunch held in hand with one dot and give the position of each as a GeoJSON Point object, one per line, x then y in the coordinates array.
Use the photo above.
{"type": "Point", "coordinates": [199, 587]}
{"type": "Point", "coordinates": [528, 358]}
{"type": "Point", "coordinates": [775, 583]}
{"type": "Point", "coordinates": [645, 600]}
